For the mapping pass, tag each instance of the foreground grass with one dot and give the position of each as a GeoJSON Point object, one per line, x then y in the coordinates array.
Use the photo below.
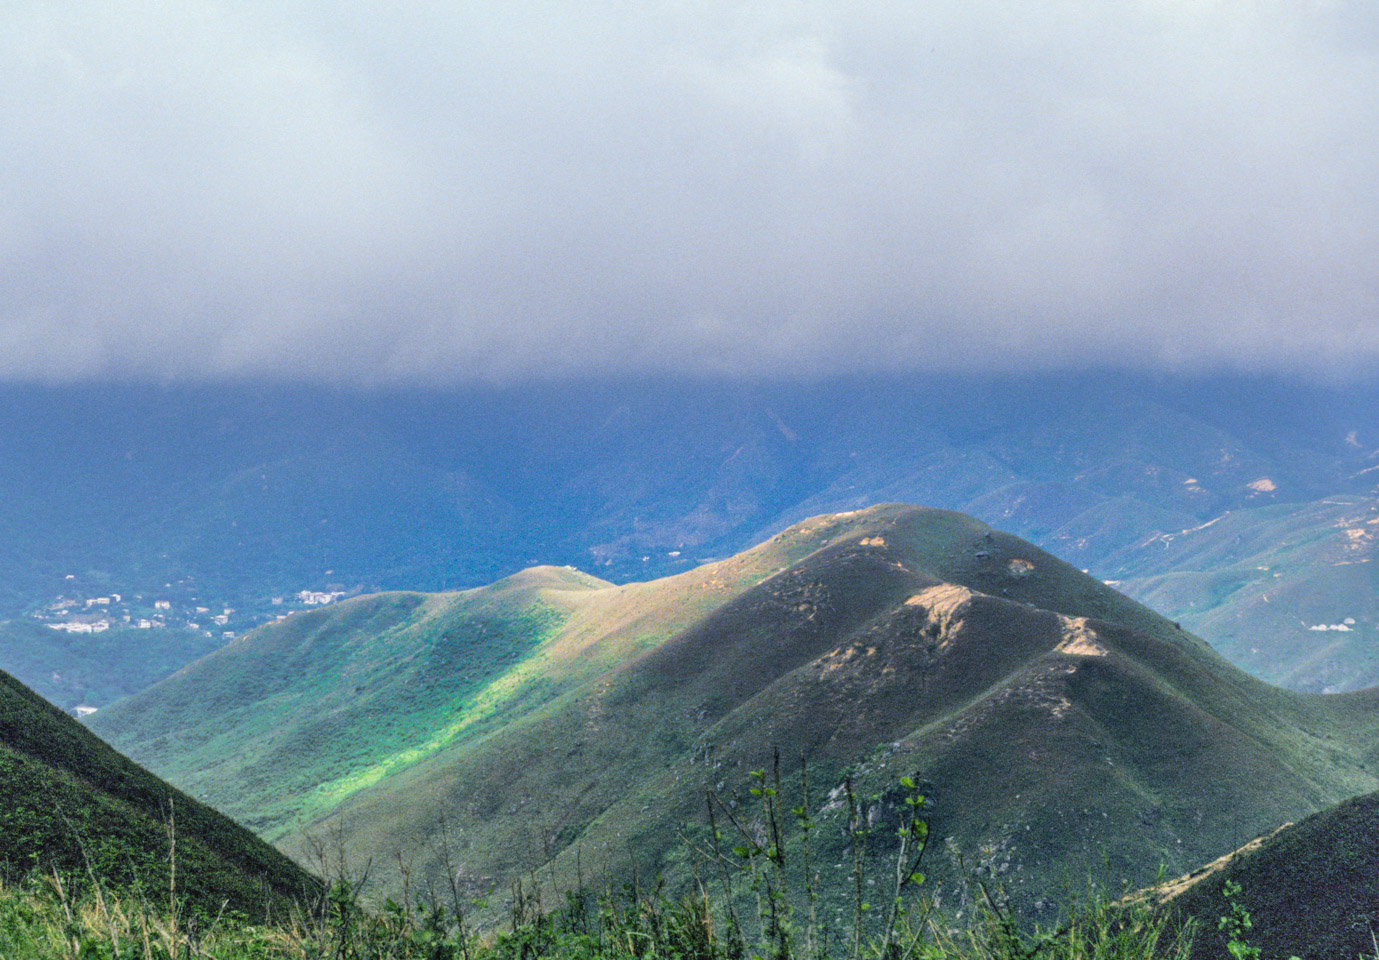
{"type": "Point", "coordinates": [767, 904]}
{"type": "Point", "coordinates": [45, 918]}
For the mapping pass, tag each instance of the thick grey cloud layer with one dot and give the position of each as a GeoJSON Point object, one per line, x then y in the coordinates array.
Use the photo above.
{"type": "Point", "coordinates": [437, 191]}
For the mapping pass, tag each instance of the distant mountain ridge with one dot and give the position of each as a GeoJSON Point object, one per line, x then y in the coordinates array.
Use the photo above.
{"type": "Point", "coordinates": [553, 719]}
{"type": "Point", "coordinates": [1239, 507]}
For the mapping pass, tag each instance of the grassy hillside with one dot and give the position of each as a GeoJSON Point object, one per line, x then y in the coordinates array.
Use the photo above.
{"type": "Point", "coordinates": [72, 804]}
{"type": "Point", "coordinates": [1311, 889]}
{"type": "Point", "coordinates": [1287, 591]}
{"type": "Point", "coordinates": [1056, 726]}
{"type": "Point", "coordinates": [280, 726]}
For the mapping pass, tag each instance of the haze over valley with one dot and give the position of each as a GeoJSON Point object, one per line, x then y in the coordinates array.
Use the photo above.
{"type": "Point", "coordinates": [594, 481]}
{"type": "Point", "coordinates": [1243, 508]}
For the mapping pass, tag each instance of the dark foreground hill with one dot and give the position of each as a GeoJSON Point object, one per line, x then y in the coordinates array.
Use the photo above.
{"type": "Point", "coordinates": [557, 724]}
{"type": "Point", "coordinates": [70, 803]}
{"type": "Point", "coordinates": [1311, 888]}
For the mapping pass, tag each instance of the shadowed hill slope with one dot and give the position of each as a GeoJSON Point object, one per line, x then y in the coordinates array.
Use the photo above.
{"type": "Point", "coordinates": [1311, 888]}
{"type": "Point", "coordinates": [1058, 727]}
{"type": "Point", "coordinates": [71, 801]}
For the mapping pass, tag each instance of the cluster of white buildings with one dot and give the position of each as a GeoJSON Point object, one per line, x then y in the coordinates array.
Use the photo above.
{"type": "Point", "coordinates": [95, 615]}
{"type": "Point", "coordinates": [100, 626]}
{"type": "Point", "coordinates": [313, 598]}
{"type": "Point", "coordinates": [76, 626]}
{"type": "Point", "coordinates": [63, 607]}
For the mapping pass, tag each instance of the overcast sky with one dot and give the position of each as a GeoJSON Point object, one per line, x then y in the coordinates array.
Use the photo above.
{"type": "Point", "coordinates": [364, 192]}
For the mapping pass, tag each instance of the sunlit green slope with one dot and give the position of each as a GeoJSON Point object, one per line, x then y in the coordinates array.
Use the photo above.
{"type": "Point", "coordinates": [280, 726]}
{"type": "Point", "coordinates": [1058, 726]}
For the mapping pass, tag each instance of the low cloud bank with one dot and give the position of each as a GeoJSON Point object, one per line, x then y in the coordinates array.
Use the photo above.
{"type": "Point", "coordinates": [360, 193]}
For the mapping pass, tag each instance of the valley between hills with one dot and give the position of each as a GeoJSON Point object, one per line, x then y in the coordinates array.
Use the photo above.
{"type": "Point", "coordinates": [555, 725]}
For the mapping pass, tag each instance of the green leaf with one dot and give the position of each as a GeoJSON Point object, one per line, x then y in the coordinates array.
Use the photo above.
{"type": "Point", "coordinates": [907, 783]}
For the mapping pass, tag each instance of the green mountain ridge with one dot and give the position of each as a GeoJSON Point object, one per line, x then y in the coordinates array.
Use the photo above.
{"type": "Point", "coordinates": [558, 724]}
{"type": "Point", "coordinates": [73, 805]}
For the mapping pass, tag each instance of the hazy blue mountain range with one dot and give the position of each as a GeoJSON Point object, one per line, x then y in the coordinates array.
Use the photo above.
{"type": "Point", "coordinates": [1240, 507]}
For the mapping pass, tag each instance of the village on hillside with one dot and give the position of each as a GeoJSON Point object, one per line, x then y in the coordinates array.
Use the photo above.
{"type": "Point", "coordinates": [97, 614]}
